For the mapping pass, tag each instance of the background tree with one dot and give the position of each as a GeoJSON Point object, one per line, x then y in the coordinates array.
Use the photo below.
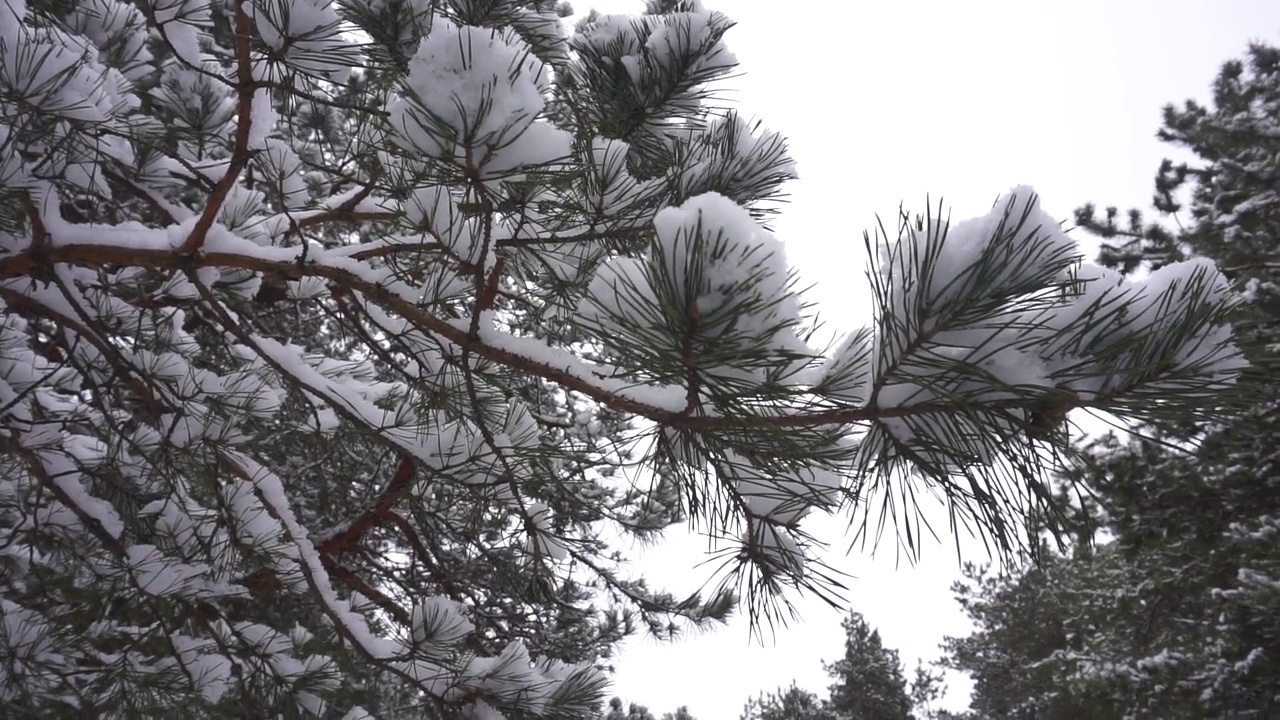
{"type": "Point", "coordinates": [342, 342]}
{"type": "Point", "coordinates": [1175, 613]}
{"type": "Point", "coordinates": [869, 680]}
{"type": "Point", "coordinates": [927, 688]}
{"type": "Point", "coordinates": [794, 703]}
{"type": "Point", "coordinates": [1022, 622]}
{"type": "Point", "coordinates": [634, 711]}
{"type": "Point", "coordinates": [869, 683]}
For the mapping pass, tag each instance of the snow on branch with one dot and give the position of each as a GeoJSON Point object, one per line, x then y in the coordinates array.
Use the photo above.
{"type": "Point", "coordinates": [339, 343]}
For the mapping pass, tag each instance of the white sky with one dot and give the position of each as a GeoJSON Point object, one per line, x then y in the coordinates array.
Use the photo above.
{"type": "Point", "coordinates": [885, 102]}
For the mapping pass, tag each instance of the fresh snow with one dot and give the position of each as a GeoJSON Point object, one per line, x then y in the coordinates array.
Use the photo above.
{"type": "Point", "coordinates": [167, 414]}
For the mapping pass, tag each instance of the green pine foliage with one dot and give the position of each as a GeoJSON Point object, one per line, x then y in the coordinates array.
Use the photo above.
{"type": "Point", "coordinates": [1175, 612]}
{"type": "Point", "coordinates": [345, 347]}
{"type": "Point", "coordinates": [868, 682]}
{"type": "Point", "coordinates": [869, 679]}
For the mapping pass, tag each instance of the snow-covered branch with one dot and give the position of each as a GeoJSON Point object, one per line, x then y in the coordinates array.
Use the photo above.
{"type": "Point", "coordinates": [353, 356]}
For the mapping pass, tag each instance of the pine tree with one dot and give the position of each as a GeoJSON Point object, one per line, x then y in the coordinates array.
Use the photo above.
{"type": "Point", "coordinates": [633, 712]}
{"type": "Point", "coordinates": [794, 703]}
{"type": "Point", "coordinates": [342, 341]}
{"type": "Point", "coordinates": [869, 680]}
{"type": "Point", "coordinates": [869, 683]}
{"type": "Point", "coordinates": [1024, 622]}
{"type": "Point", "coordinates": [1176, 613]}
{"type": "Point", "coordinates": [1205, 529]}
{"type": "Point", "coordinates": [927, 688]}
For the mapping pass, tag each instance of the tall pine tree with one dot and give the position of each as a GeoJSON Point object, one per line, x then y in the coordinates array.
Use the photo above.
{"type": "Point", "coordinates": [868, 682]}
{"type": "Point", "coordinates": [869, 679]}
{"type": "Point", "coordinates": [1177, 612]}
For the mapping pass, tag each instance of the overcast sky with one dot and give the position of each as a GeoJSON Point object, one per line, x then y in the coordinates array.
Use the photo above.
{"type": "Point", "coordinates": [892, 101]}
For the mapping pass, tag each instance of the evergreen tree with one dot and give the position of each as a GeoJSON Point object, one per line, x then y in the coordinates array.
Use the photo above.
{"type": "Point", "coordinates": [927, 688]}
{"type": "Point", "coordinates": [869, 683]}
{"type": "Point", "coordinates": [633, 712]}
{"type": "Point", "coordinates": [640, 712]}
{"type": "Point", "coordinates": [869, 680]}
{"type": "Point", "coordinates": [794, 703]}
{"type": "Point", "coordinates": [1023, 622]}
{"type": "Point", "coordinates": [341, 341]}
{"type": "Point", "coordinates": [1176, 613]}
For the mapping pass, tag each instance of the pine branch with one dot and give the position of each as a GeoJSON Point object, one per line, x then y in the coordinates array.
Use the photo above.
{"type": "Point", "coordinates": [96, 255]}
{"type": "Point", "coordinates": [240, 151]}
{"type": "Point", "coordinates": [393, 493]}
